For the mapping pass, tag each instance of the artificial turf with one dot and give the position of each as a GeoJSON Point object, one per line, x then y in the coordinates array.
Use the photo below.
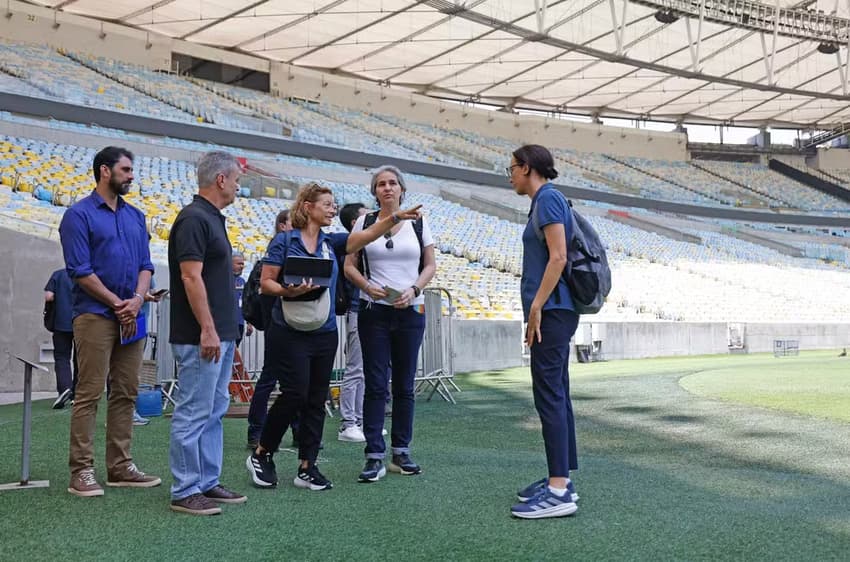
{"type": "Point", "coordinates": [665, 474]}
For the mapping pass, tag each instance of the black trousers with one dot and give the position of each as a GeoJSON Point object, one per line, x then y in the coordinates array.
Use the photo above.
{"type": "Point", "coordinates": [303, 363]}
{"type": "Point", "coordinates": [63, 346]}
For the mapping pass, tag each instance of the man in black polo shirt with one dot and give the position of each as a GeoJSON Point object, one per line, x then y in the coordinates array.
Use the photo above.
{"type": "Point", "coordinates": [203, 337]}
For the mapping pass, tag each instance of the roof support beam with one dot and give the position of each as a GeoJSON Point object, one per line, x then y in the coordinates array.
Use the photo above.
{"type": "Point", "coordinates": [356, 31]}
{"type": "Point", "coordinates": [223, 19]}
{"type": "Point", "coordinates": [694, 49]}
{"type": "Point", "coordinates": [540, 12]}
{"type": "Point", "coordinates": [619, 24]}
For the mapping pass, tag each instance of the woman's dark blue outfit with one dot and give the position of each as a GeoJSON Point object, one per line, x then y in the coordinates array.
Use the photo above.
{"type": "Point", "coordinates": [302, 361]}
{"type": "Point", "coordinates": [550, 357]}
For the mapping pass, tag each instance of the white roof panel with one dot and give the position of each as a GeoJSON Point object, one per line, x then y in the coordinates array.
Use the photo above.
{"type": "Point", "coordinates": [577, 53]}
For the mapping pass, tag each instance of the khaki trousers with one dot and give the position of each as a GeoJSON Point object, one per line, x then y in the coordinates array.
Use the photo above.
{"type": "Point", "coordinates": [102, 357]}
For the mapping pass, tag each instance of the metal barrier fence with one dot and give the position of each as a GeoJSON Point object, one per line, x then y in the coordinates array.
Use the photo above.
{"type": "Point", "coordinates": [782, 348]}
{"type": "Point", "coordinates": [435, 370]}
{"type": "Point", "coordinates": [436, 358]}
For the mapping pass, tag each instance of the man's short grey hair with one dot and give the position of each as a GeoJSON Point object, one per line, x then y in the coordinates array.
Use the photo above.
{"type": "Point", "coordinates": [214, 163]}
{"type": "Point", "coordinates": [388, 168]}
{"type": "Point", "coordinates": [237, 254]}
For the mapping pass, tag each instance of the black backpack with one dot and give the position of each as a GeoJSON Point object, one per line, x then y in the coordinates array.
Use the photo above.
{"type": "Point", "coordinates": [370, 219]}
{"type": "Point", "coordinates": [344, 291]}
{"type": "Point", "coordinates": [256, 307]}
{"type": "Point", "coordinates": [50, 315]}
{"type": "Point", "coordinates": [587, 272]}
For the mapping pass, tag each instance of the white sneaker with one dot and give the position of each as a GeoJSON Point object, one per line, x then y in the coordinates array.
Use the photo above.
{"type": "Point", "coordinates": [352, 434]}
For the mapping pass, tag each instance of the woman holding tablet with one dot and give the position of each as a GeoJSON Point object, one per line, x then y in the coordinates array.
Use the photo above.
{"type": "Point", "coordinates": [303, 334]}
{"type": "Point", "coordinates": [391, 274]}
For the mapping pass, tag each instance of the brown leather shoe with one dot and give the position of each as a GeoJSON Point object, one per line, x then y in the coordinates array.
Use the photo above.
{"type": "Point", "coordinates": [196, 504]}
{"type": "Point", "coordinates": [220, 494]}
{"type": "Point", "coordinates": [84, 485]}
{"type": "Point", "coordinates": [132, 477]}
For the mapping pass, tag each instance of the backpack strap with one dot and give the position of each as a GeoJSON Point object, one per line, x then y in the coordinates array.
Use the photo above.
{"type": "Point", "coordinates": [368, 221]}
{"type": "Point", "coordinates": [418, 228]}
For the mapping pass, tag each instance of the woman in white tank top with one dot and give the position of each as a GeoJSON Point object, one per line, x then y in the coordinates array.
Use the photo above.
{"type": "Point", "coordinates": [391, 277]}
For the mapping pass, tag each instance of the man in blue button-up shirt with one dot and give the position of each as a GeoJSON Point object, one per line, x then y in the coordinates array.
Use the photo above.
{"type": "Point", "coordinates": [105, 243]}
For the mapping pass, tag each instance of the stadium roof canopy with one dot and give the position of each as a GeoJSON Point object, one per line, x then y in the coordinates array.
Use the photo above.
{"type": "Point", "coordinates": [710, 61]}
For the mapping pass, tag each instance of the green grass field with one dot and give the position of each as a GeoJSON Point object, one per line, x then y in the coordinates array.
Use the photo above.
{"type": "Point", "coordinates": [706, 458]}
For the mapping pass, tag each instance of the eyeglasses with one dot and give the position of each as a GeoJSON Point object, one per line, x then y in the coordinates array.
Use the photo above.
{"type": "Point", "coordinates": [389, 237]}
{"type": "Point", "coordinates": [510, 169]}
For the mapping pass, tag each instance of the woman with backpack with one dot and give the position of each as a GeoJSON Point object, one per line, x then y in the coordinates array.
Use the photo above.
{"type": "Point", "coordinates": [550, 313]}
{"type": "Point", "coordinates": [302, 336]}
{"type": "Point", "coordinates": [391, 274]}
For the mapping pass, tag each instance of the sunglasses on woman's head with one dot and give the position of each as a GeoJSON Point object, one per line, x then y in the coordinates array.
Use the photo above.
{"type": "Point", "coordinates": [389, 237]}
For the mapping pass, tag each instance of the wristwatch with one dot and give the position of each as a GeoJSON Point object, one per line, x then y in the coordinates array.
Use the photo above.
{"type": "Point", "coordinates": [416, 290]}
{"type": "Point", "coordinates": [396, 218]}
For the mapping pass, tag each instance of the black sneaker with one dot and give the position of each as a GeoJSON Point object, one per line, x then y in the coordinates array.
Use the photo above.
{"type": "Point", "coordinates": [63, 399]}
{"type": "Point", "coordinates": [262, 471]}
{"type": "Point", "coordinates": [311, 479]}
{"type": "Point", "coordinates": [403, 464]}
{"type": "Point", "coordinates": [373, 471]}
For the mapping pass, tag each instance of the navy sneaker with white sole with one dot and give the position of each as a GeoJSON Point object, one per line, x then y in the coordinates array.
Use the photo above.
{"type": "Point", "coordinates": [533, 489]}
{"type": "Point", "coordinates": [373, 471]}
{"type": "Point", "coordinates": [403, 464]}
{"type": "Point", "coordinates": [545, 504]}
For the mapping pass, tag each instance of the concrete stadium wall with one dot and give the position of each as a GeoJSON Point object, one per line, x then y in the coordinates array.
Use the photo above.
{"type": "Point", "coordinates": [635, 340]}
{"type": "Point", "coordinates": [760, 337]}
{"type": "Point", "coordinates": [831, 159]}
{"type": "Point", "coordinates": [797, 160]}
{"type": "Point", "coordinates": [27, 262]}
{"type": "Point", "coordinates": [481, 345]}
{"type": "Point", "coordinates": [35, 24]}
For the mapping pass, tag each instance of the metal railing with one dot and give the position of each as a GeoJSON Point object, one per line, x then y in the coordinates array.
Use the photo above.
{"type": "Point", "coordinates": [435, 371]}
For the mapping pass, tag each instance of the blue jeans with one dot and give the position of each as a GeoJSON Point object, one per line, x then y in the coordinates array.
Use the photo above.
{"type": "Point", "coordinates": [197, 437]}
{"type": "Point", "coordinates": [389, 336]}
{"type": "Point", "coordinates": [550, 383]}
